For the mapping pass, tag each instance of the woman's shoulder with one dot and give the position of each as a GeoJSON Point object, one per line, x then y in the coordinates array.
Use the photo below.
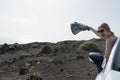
{"type": "Point", "coordinates": [111, 39]}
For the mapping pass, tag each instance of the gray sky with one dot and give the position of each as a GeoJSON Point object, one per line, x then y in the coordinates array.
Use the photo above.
{"type": "Point", "coordinates": [25, 21]}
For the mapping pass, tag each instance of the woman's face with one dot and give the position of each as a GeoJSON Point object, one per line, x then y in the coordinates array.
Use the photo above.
{"type": "Point", "coordinates": [103, 33]}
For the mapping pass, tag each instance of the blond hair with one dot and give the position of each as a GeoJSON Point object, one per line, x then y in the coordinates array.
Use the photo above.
{"type": "Point", "coordinates": [106, 27]}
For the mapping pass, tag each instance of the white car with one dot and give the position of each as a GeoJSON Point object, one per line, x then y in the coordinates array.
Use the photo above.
{"type": "Point", "coordinates": [111, 69]}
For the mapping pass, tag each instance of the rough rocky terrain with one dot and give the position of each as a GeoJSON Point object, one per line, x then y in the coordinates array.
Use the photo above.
{"type": "Point", "coordinates": [50, 61]}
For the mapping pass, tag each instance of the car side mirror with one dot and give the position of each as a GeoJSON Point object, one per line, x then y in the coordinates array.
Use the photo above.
{"type": "Point", "coordinates": [96, 58]}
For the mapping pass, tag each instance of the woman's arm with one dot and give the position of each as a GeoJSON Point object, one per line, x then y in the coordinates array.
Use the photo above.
{"type": "Point", "coordinates": [93, 30]}
{"type": "Point", "coordinates": [108, 47]}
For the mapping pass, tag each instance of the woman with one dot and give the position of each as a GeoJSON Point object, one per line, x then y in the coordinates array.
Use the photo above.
{"type": "Point", "coordinates": [104, 32]}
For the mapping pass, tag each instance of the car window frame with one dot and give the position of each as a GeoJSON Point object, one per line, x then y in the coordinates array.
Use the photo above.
{"type": "Point", "coordinates": [116, 58]}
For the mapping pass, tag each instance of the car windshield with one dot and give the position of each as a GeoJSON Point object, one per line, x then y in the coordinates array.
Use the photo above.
{"type": "Point", "coordinates": [116, 62]}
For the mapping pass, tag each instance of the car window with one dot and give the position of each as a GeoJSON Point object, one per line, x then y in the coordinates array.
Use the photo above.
{"type": "Point", "coordinates": [116, 62]}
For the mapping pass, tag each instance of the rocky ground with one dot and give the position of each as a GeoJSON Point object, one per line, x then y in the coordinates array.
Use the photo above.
{"type": "Point", "coordinates": [48, 61]}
